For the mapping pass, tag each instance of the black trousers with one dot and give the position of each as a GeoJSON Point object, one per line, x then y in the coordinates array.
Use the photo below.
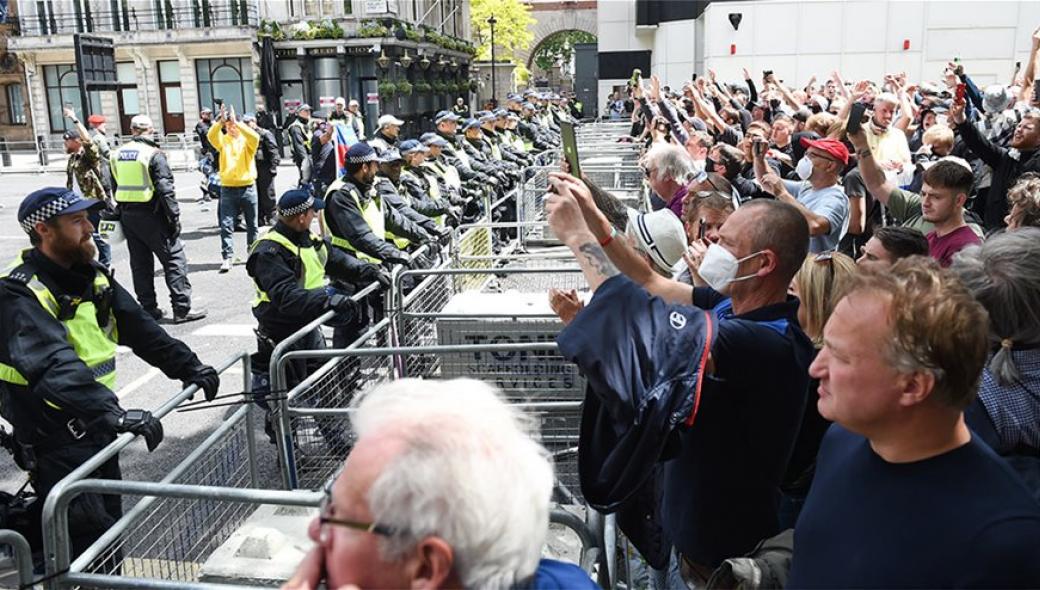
{"type": "Point", "coordinates": [90, 515]}
{"type": "Point", "coordinates": [147, 238]}
{"type": "Point", "coordinates": [266, 196]}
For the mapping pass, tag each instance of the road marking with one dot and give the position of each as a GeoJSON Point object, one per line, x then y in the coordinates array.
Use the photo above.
{"type": "Point", "coordinates": [225, 330]}
{"type": "Point", "coordinates": [137, 383]}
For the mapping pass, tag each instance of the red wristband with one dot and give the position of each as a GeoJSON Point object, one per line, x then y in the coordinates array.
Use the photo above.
{"type": "Point", "coordinates": [613, 232]}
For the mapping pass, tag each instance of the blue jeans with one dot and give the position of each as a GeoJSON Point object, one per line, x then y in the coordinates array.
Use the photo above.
{"type": "Point", "coordinates": [235, 200]}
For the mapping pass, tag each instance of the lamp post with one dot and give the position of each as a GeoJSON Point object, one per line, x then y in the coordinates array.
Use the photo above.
{"type": "Point", "coordinates": [494, 86]}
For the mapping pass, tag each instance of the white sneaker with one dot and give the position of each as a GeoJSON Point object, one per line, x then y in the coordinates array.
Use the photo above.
{"type": "Point", "coordinates": [226, 265]}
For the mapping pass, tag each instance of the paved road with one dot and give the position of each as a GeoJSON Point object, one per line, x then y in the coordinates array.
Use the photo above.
{"type": "Point", "coordinates": [226, 331]}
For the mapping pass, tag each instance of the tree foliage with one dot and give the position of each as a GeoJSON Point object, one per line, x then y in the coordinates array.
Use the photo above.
{"type": "Point", "coordinates": [511, 30]}
{"type": "Point", "coordinates": [559, 45]}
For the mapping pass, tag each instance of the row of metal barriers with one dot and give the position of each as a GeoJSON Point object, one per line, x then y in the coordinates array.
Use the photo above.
{"type": "Point", "coordinates": [482, 313]}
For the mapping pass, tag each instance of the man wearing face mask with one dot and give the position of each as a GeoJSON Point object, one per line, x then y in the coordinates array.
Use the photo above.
{"type": "Point", "coordinates": [819, 196]}
{"type": "Point", "coordinates": [642, 337]}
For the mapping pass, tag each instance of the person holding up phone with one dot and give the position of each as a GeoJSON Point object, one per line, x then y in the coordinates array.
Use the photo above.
{"type": "Point", "coordinates": [237, 145]}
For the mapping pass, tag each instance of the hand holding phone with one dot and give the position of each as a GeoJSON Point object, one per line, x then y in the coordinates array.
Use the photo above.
{"type": "Point", "coordinates": [855, 122]}
{"type": "Point", "coordinates": [962, 88]}
{"type": "Point", "coordinates": [758, 147]}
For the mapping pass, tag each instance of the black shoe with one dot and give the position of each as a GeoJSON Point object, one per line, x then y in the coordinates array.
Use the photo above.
{"type": "Point", "coordinates": [157, 314]}
{"type": "Point", "coordinates": [190, 316]}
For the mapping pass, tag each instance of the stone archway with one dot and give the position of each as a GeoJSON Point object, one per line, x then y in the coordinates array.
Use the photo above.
{"type": "Point", "coordinates": [556, 17]}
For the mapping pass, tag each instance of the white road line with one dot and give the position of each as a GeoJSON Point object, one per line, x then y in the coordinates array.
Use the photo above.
{"type": "Point", "coordinates": [137, 383]}
{"type": "Point", "coordinates": [225, 330]}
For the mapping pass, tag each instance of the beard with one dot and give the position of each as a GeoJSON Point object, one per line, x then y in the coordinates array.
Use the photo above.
{"type": "Point", "coordinates": [75, 252]}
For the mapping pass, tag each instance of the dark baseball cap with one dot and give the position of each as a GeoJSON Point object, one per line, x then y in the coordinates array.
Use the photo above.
{"type": "Point", "coordinates": [51, 202]}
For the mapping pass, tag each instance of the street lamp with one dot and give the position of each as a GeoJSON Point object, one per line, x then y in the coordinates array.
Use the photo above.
{"type": "Point", "coordinates": [493, 21]}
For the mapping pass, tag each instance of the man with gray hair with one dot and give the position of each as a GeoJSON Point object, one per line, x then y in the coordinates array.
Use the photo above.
{"type": "Point", "coordinates": [423, 500]}
{"type": "Point", "coordinates": [1003, 274]}
{"type": "Point", "coordinates": [151, 222]}
{"type": "Point", "coordinates": [669, 171]}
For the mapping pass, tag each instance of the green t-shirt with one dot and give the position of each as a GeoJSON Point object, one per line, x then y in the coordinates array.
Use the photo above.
{"type": "Point", "coordinates": [905, 208]}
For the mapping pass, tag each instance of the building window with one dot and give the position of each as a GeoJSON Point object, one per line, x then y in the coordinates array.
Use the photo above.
{"type": "Point", "coordinates": [292, 84]}
{"type": "Point", "coordinates": [229, 79]}
{"type": "Point", "coordinates": [15, 104]}
{"type": "Point", "coordinates": [62, 86]}
{"type": "Point", "coordinates": [326, 83]}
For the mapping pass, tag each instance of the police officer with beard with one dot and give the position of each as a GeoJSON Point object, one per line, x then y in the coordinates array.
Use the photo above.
{"type": "Point", "coordinates": [62, 315]}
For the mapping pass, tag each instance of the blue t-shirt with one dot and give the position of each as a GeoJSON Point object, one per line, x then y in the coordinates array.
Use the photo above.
{"type": "Point", "coordinates": [830, 202]}
{"type": "Point", "coordinates": [722, 490]}
{"type": "Point", "coordinates": [962, 519]}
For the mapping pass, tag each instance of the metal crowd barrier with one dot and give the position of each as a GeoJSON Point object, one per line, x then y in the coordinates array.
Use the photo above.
{"type": "Point", "coordinates": [167, 534]}
{"type": "Point", "coordinates": [47, 153]}
{"type": "Point", "coordinates": [21, 555]}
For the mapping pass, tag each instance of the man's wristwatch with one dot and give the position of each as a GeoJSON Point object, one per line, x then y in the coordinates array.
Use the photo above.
{"type": "Point", "coordinates": [864, 153]}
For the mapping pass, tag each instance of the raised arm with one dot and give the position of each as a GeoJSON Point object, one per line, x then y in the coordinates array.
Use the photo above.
{"type": "Point", "coordinates": [873, 176]}
{"type": "Point", "coordinates": [589, 231]}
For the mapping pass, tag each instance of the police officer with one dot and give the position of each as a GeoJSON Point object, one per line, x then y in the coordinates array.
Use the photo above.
{"type": "Point", "coordinates": [300, 142]}
{"type": "Point", "coordinates": [455, 154]}
{"type": "Point", "coordinates": [62, 315]}
{"type": "Point", "coordinates": [424, 196]}
{"type": "Point", "coordinates": [387, 132]}
{"type": "Point", "coordinates": [438, 171]}
{"type": "Point", "coordinates": [355, 217]}
{"type": "Point", "coordinates": [289, 265]}
{"type": "Point", "coordinates": [267, 160]}
{"type": "Point", "coordinates": [150, 217]}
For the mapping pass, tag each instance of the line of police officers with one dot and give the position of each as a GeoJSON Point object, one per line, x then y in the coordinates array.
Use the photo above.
{"type": "Point", "coordinates": [62, 314]}
{"type": "Point", "coordinates": [395, 205]}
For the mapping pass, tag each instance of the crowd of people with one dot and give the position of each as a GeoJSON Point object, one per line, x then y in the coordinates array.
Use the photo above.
{"type": "Point", "coordinates": [839, 342]}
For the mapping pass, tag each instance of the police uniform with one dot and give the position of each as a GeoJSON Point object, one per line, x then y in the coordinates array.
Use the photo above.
{"type": "Point", "coordinates": [61, 326]}
{"type": "Point", "coordinates": [300, 144]}
{"type": "Point", "coordinates": [151, 223]}
{"type": "Point", "coordinates": [358, 221]}
{"type": "Point", "coordinates": [289, 269]}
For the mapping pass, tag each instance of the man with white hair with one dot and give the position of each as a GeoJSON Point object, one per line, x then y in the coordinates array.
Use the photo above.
{"type": "Point", "coordinates": [357, 120]}
{"type": "Point", "coordinates": [151, 222]}
{"type": "Point", "coordinates": [389, 127]}
{"type": "Point", "coordinates": [668, 169]}
{"type": "Point", "coordinates": [423, 500]}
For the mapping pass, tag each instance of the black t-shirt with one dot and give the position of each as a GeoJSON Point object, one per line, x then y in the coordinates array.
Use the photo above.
{"type": "Point", "coordinates": [722, 490]}
{"type": "Point", "coordinates": [962, 519]}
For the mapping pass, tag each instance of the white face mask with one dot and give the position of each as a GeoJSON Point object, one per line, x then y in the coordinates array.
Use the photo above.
{"type": "Point", "coordinates": [719, 268]}
{"type": "Point", "coordinates": [804, 168]}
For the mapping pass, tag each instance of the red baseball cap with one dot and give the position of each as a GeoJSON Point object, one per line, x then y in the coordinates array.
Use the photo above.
{"type": "Point", "coordinates": [96, 119]}
{"type": "Point", "coordinates": [833, 147]}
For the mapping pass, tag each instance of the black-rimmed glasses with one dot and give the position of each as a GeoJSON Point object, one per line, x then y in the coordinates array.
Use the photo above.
{"type": "Point", "coordinates": [325, 509]}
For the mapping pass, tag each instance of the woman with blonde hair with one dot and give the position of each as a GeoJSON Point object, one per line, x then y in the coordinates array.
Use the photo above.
{"type": "Point", "coordinates": [819, 285]}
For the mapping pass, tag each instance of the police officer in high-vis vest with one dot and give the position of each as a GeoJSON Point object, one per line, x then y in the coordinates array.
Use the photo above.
{"type": "Point", "coordinates": [289, 265]}
{"type": "Point", "coordinates": [355, 219]}
{"type": "Point", "coordinates": [62, 315]}
{"type": "Point", "coordinates": [150, 217]}
{"type": "Point", "coordinates": [300, 130]}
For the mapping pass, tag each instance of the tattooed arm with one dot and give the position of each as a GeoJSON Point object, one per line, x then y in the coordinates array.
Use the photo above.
{"type": "Point", "coordinates": [583, 235]}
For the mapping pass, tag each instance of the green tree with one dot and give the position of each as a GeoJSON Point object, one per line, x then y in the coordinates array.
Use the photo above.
{"type": "Point", "coordinates": [559, 44]}
{"type": "Point", "coordinates": [511, 29]}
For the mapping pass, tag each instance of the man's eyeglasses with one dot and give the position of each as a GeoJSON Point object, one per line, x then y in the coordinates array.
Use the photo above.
{"type": "Point", "coordinates": [325, 509]}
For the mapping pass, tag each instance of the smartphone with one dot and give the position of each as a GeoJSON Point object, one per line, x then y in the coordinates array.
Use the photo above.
{"type": "Point", "coordinates": [767, 73]}
{"type": "Point", "coordinates": [694, 77]}
{"type": "Point", "coordinates": [570, 147]}
{"type": "Point", "coordinates": [961, 89]}
{"type": "Point", "coordinates": [701, 230]}
{"type": "Point", "coordinates": [758, 148]}
{"type": "Point", "coordinates": [1036, 91]}
{"type": "Point", "coordinates": [852, 126]}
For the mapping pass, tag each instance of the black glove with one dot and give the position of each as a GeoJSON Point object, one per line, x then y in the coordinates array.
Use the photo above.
{"type": "Point", "coordinates": [371, 272]}
{"type": "Point", "coordinates": [395, 259]}
{"type": "Point", "coordinates": [343, 305]}
{"type": "Point", "coordinates": [420, 262]}
{"type": "Point", "coordinates": [141, 423]}
{"type": "Point", "coordinates": [207, 379]}
{"type": "Point", "coordinates": [444, 233]}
